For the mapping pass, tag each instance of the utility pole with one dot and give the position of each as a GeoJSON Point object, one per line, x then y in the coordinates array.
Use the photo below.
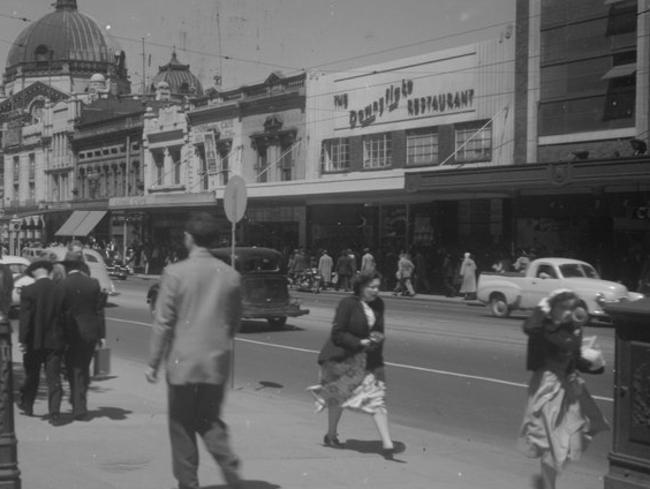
{"type": "Point", "coordinates": [219, 77]}
{"type": "Point", "coordinates": [144, 80]}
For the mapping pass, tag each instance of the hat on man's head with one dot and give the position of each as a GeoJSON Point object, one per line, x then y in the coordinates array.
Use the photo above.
{"type": "Point", "coordinates": [74, 260]}
{"type": "Point", "coordinates": [47, 265]}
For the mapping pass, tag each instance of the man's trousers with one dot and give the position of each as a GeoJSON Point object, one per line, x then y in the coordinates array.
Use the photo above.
{"type": "Point", "coordinates": [196, 409]}
{"type": "Point", "coordinates": [32, 361]}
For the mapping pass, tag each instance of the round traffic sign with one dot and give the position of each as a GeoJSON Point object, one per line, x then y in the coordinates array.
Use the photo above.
{"type": "Point", "coordinates": [235, 198]}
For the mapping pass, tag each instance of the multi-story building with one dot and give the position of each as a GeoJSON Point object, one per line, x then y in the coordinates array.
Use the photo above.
{"type": "Point", "coordinates": [256, 131]}
{"type": "Point", "coordinates": [49, 73]}
{"type": "Point", "coordinates": [580, 185]}
{"type": "Point", "coordinates": [370, 126]}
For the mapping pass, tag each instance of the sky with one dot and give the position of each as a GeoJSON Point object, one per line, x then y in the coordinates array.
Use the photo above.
{"type": "Point", "coordinates": [262, 36]}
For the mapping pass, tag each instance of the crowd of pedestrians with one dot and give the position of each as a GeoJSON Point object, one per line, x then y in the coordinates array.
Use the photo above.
{"type": "Point", "coordinates": [197, 314]}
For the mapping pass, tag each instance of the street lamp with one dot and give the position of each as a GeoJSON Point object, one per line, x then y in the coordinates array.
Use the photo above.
{"type": "Point", "coordinates": [9, 473]}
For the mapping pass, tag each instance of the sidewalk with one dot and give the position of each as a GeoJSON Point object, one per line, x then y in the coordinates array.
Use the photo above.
{"type": "Point", "coordinates": [422, 297]}
{"type": "Point", "coordinates": [125, 446]}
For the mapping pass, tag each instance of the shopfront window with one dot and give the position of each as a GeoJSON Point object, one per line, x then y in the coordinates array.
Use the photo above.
{"type": "Point", "coordinates": [377, 151]}
{"type": "Point", "coordinates": [335, 155]}
{"type": "Point", "coordinates": [474, 142]}
{"type": "Point", "coordinates": [422, 147]}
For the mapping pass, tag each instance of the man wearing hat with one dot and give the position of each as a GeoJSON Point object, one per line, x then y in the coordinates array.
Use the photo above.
{"type": "Point", "coordinates": [41, 338]}
{"type": "Point", "coordinates": [83, 313]}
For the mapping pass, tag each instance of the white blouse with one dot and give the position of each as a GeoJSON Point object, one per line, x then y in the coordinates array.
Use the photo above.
{"type": "Point", "coordinates": [370, 314]}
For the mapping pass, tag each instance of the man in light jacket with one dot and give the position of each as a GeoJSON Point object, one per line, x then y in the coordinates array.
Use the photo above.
{"type": "Point", "coordinates": [197, 314]}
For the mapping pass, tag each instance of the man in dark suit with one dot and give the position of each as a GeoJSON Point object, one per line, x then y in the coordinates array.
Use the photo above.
{"type": "Point", "coordinates": [41, 338]}
{"type": "Point", "coordinates": [83, 313]}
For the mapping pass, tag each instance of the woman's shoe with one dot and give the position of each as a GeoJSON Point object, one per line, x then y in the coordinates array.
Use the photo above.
{"type": "Point", "coordinates": [333, 441]}
{"type": "Point", "coordinates": [388, 453]}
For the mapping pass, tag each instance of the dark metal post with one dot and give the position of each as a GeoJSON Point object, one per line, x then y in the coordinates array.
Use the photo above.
{"type": "Point", "coordinates": [629, 457]}
{"type": "Point", "coordinates": [9, 473]}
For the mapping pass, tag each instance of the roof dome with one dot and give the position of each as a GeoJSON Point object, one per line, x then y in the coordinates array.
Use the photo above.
{"type": "Point", "coordinates": [62, 36]}
{"type": "Point", "coordinates": [179, 77]}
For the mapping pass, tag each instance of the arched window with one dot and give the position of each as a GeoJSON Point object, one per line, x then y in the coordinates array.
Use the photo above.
{"type": "Point", "coordinates": [185, 87]}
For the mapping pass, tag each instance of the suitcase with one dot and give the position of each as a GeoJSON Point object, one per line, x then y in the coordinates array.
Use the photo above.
{"type": "Point", "coordinates": [102, 362]}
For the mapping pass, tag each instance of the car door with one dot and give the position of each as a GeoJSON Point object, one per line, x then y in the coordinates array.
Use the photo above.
{"type": "Point", "coordinates": [543, 281]}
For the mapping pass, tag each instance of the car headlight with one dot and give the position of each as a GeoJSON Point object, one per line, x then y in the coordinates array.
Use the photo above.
{"type": "Point", "coordinates": [600, 299]}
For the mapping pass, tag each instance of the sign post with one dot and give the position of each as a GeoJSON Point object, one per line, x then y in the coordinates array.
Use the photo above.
{"type": "Point", "coordinates": [234, 205]}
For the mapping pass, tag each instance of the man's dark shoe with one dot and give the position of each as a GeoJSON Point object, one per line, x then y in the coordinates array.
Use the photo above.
{"type": "Point", "coordinates": [56, 420]}
{"type": "Point", "coordinates": [26, 410]}
{"type": "Point", "coordinates": [81, 416]}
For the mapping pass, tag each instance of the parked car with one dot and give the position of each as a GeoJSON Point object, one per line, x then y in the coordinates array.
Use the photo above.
{"type": "Point", "coordinates": [505, 292]}
{"type": "Point", "coordinates": [265, 287]}
{"type": "Point", "coordinates": [95, 263]}
{"type": "Point", "coordinates": [17, 265]}
{"type": "Point", "coordinates": [32, 253]}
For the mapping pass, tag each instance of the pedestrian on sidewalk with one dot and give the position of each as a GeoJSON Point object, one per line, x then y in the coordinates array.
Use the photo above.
{"type": "Point", "coordinates": [41, 337]}
{"type": "Point", "coordinates": [352, 364]}
{"type": "Point", "coordinates": [85, 327]}
{"type": "Point", "coordinates": [561, 417]}
{"type": "Point", "coordinates": [325, 264]}
{"type": "Point", "coordinates": [196, 317]}
{"type": "Point", "coordinates": [468, 275]}
{"type": "Point", "coordinates": [368, 264]}
{"type": "Point", "coordinates": [344, 270]}
{"type": "Point", "coordinates": [404, 275]}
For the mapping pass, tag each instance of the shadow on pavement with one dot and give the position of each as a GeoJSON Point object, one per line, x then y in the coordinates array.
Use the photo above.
{"type": "Point", "coordinates": [365, 446]}
{"type": "Point", "coordinates": [270, 384]}
{"type": "Point", "coordinates": [247, 484]}
{"type": "Point", "coordinates": [112, 413]}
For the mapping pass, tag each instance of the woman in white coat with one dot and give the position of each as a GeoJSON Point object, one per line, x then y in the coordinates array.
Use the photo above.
{"type": "Point", "coordinates": [468, 275]}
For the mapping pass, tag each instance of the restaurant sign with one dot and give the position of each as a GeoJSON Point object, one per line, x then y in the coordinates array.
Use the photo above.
{"type": "Point", "coordinates": [404, 96]}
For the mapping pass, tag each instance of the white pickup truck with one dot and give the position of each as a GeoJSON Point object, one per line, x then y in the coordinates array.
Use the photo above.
{"type": "Point", "coordinates": [505, 292]}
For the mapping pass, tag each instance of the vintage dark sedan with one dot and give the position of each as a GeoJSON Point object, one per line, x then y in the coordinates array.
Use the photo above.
{"type": "Point", "coordinates": [265, 288]}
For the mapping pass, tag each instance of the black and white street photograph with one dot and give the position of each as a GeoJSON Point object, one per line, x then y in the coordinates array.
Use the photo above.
{"type": "Point", "coordinates": [325, 244]}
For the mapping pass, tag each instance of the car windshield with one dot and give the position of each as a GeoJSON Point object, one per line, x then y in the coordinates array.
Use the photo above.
{"type": "Point", "coordinates": [577, 270]}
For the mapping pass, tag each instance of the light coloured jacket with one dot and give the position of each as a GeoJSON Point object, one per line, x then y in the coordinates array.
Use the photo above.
{"type": "Point", "coordinates": [197, 313]}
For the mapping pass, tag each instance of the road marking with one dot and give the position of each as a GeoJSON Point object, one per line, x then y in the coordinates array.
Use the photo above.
{"type": "Point", "coordinates": [392, 364]}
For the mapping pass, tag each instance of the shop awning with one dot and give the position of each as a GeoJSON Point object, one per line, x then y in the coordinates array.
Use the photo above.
{"type": "Point", "coordinates": [89, 222]}
{"type": "Point", "coordinates": [620, 71]}
{"type": "Point", "coordinates": [80, 223]}
{"type": "Point", "coordinates": [71, 224]}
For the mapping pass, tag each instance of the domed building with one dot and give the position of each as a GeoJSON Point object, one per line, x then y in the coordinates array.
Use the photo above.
{"type": "Point", "coordinates": [63, 50]}
{"type": "Point", "coordinates": [181, 82]}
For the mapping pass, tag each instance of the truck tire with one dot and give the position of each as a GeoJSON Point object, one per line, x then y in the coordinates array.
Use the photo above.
{"type": "Point", "coordinates": [499, 306]}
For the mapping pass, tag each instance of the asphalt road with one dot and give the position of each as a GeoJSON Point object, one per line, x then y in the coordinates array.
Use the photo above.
{"type": "Point", "coordinates": [452, 368]}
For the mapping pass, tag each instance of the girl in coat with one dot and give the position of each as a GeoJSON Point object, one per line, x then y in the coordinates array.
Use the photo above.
{"type": "Point", "coordinates": [561, 416]}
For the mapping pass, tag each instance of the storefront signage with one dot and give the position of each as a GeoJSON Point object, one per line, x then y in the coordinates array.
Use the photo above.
{"type": "Point", "coordinates": [402, 95]}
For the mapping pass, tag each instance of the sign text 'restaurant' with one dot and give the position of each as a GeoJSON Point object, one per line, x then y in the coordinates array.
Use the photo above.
{"type": "Point", "coordinates": [398, 95]}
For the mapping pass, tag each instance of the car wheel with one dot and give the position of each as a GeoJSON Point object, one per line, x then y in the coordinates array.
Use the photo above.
{"type": "Point", "coordinates": [277, 322]}
{"type": "Point", "coordinates": [499, 306]}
